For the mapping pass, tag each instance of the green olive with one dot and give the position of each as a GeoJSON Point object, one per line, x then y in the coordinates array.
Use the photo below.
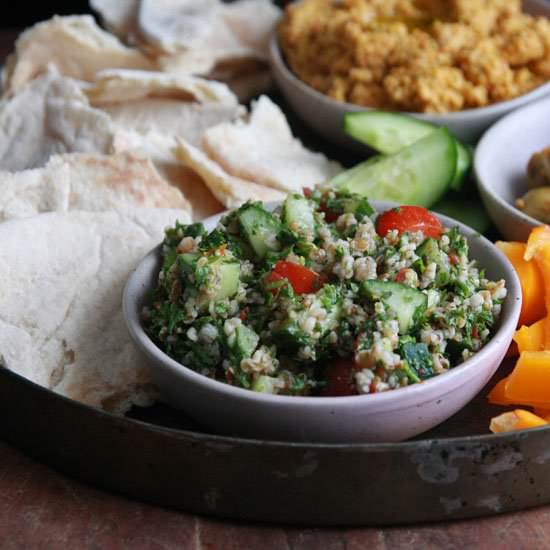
{"type": "Point", "coordinates": [538, 169]}
{"type": "Point", "coordinates": [536, 203]}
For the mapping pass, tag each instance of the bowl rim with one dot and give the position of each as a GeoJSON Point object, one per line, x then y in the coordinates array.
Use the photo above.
{"type": "Point", "coordinates": [465, 115]}
{"type": "Point", "coordinates": [413, 393]}
{"type": "Point", "coordinates": [485, 145]}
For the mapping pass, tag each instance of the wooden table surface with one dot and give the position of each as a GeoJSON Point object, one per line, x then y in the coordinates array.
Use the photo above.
{"type": "Point", "coordinates": [41, 508]}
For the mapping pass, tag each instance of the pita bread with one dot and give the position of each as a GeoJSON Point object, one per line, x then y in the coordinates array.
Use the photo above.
{"type": "Point", "coordinates": [61, 322]}
{"type": "Point", "coordinates": [229, 190]}
{"type": "Point", "coordinates": [78, 181]}
{"type": "Point", "coordinates": [264, 150]}
{"type": "Point", "coordinates": [124, 85]}
{"type": "Point", "coordinates": [171, 25]}
{"type": "Point", "coordinates": [228, 31]}
{"type": "Point", "coordinates": [50, 115]}
{"type": "Point", "coordinates": [232, 45]}
{"type": "Point", "coordinates": [75, 45]}
{"type": "Point", "coordinates": [160, 149]}
{"type": "Point", "coordinates": [159, 102]}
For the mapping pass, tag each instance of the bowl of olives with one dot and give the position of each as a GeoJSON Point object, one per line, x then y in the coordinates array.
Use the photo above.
{"type": "Point", "coordinates": [536, 201]}
{"type": "Point", "coordinates": [512, 168]}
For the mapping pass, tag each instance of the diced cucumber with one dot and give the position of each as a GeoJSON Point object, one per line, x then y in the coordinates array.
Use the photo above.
{"type": "Point", "coordinates": [188, 262]}
{"type": "Point", "coordinates": [428, 248]}
{"type": "Point", "coordinates": [298, 214]}
{"type": "Point", "coordinates": [406, 302]}
{"type": "Point", "coordinates": [260, 228]}
{"type": "Point", "coordinates": [430, 251]}
{"type": "Point", "coordinates": [265, 384]}
{"type": "Point", "coordinates": [389, 133]}
{"type": "Point", "coordinates": [245, 342]}
{"type": "Point", "coordinates": [223, 279]}
{"type": "Point", "coordinates": [419, 174]}
{"type": "Point", "coordinates": [215, 280]}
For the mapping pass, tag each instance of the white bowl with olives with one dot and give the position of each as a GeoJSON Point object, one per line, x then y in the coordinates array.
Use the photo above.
{"type": "Point", "coordinates": [512, 167]}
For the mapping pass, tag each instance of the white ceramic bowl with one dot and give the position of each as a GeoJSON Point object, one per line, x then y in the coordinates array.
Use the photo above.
{"type": "Point", "coordinates": [383, 417]}
{"type": "Point", "coordinates": [326, 115]}
{"type": "Point", "coordinates": [500, 166]}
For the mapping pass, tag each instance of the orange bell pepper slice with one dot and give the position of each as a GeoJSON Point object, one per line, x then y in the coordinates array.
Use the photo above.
{"type": "Point", "coordinates": [519, 419]}
{"type": "Point", "coordinates": [531, 338]}
{"type": "Point", "coordinates": [531, 280]}
{"type": "Point", "coordinates": [538, 247]}
{"type": "Point", "coordinates": [529, 382]}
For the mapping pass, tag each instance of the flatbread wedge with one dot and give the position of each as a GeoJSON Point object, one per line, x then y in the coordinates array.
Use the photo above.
{"type": "Point", "coordinates": [61, 324]}
{"type": "Point", "coordinates": [50, 115]}
{"type": "Point", "coordinates": [122, 85]}
{"type": "Point", "coordinates": [263, 149]}
{"type": "Point", "coordinates": [122, 182]}
{"type": "Point", "coordinates": [229, 190]}
{"type": "Point", "coordinates": [160, 148]}
{"type": "Point", "coordinates": [75, 45]}
{"type": "Point", "coordinates": [148, 101]}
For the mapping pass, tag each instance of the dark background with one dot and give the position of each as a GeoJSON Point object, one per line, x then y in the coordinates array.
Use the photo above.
{"type": "Point", "coordinates": [31, 12]}
{"type": "Point", "coordinates": [28, 13]}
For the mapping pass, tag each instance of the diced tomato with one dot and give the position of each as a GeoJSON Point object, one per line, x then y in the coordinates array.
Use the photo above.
{"type": "Point", "coordinates": [475, 333]}
{"type": "Point", "coordinates": [401, 275]}
{"type": "Point", "coordinates": [454, 259]}
{"type": "Point", "coordinates": [302, 279]}
{"type": "Point", "coordinates": [243, 314]}
{"type": "Point", "coordinates": [409, 218]}
{"type": "Point", "coordinates": [330, 216]}
{"type": "Point", "coordinates": [340, 379]}
{"type": "Point", "coordinates": [307, 192]}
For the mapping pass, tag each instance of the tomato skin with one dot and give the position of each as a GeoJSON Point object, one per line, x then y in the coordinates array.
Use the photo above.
{"type": "Point", "coordinates": [302, 279]}
{"type": "Point", "coordinates": [401, 275]}
{"type": "Point", "coordinates": [340, 379]}
{"type": "Point", "coordinates": [330, 216]}
{"type": "Point", "coordinates": [409, 218]}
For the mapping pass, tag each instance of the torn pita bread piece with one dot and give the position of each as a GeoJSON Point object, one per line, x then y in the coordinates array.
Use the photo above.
{"type": "Point", "coordinates": [160, 149]}
{"type": "Point", "coordinates": [75, 45]}
{"type": "Point", "coordinates": [121, 182]}
{"type": "Point", "coordinates": [50, 115]}
{"type": "Point", "coordinates": [169, 104]}
{"type": "Point", "coordinates": [230, 43]}
{"type": "Point", "coordinates": [231, 191]}
{"type": "Point", "coordinates": [61, 322]}
{"type": "Point", "coordinates": [172, 25]}
{"type": "Point", "coordinates": [263, 149]}
{"type": "Point", "coordinates": [227, 30]}
{"type": "Point", "coordinates": [123, 85]}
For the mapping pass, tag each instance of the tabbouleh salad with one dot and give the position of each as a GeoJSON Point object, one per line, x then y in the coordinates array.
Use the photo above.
{"type": "Point", "coordinates": [322, 296]}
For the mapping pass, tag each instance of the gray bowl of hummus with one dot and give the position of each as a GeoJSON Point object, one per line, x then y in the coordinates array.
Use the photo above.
{"type": "Point", "coordinates": [462, 69]}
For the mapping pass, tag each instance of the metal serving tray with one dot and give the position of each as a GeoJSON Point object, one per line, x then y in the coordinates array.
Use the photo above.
{"type": "Point", "coordinates": [161, 456]}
